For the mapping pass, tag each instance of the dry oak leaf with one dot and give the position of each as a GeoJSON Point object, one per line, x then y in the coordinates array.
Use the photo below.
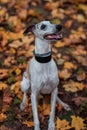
{"type": "Point", "coordinates": [3, 86]}
{"type": "Point", "coordinates": [81, 76]}
{"type": "Point", "coordinates": [16, 89]}
{"type": "Point", "coordinates": [62, 124]}
{"type": "Point", "coordinates": [52, 5]}
{"type": "Point", "coordinates": [3, 73]}
{"type": "Point", "coordinates": [82, 59]}
{"type": "Point", "coordinates": [60, 44]}
{"type": "Point", "coordinates": [73, 86]}
{"type": "Point", "coordinates": [2, 127]}
{"type": "Point", "coordinates": [68, 23]}
{"type": "Point", "coordinates": [2, 117]}
{"type": "Point", "coordinates": [78, 123]}
{"type": "Point", "coordinates": [79, 100]}
{"type": "Point", "coordinates": [29, 123]}
{"type": "Point", "coordinates": [4, 1]}
{"type": "Point", "coordinates": [57, 13]}
{"type": "Point", "coordinates": [16, 44]}
{"type": "Point", "coordinates": [64, 74]}
{"type": "Point", "coordinates": [18, 71]}
{"type": "Point", "coordinates": [69, 65]}
{"type": "Point", "coordinates": [46, 109]}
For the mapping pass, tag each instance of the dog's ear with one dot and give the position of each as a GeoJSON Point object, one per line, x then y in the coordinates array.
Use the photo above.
{"type": "Point", "coordinates": [29, 29]}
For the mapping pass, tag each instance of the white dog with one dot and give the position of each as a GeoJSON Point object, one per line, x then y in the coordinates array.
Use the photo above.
{"type": "Point", "coordinates": [41, 75]}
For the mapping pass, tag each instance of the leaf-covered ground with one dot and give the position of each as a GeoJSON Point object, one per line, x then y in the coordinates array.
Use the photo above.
{"type": "Point", "coordinates": [70, 55]}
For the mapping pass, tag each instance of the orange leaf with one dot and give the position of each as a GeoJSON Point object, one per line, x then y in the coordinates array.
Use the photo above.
{"type": "Point", "coordinates": [62, 124]}
{"type": "Point", "coordinates": [78, 123]}
{"type": "Point", "coordinates": [69, 65]}
{"type": "Point", "coordinates": [3, 86]}
{"type": "Point", "coordinates": [46, 109]}
{"type": "Point", "coordinates": [73, 86]}
{"type": "Point", "coordinates": [64, 74]}
{"type": "Point", "coordinates": [2, 117]}
{"type": "Point", "coordinates": [29, 123]}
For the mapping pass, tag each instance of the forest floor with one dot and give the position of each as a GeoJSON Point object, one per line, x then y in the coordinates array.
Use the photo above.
{"type": "Point", "coordinates": [70, 55]}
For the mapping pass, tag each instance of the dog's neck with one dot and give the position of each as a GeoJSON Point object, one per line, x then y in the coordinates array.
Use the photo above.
{"type": "Point", "coordinates": [42, 46]}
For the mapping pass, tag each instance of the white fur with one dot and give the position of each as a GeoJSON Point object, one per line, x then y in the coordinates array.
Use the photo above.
{"type": "Point", "coordinates": [42, 77]}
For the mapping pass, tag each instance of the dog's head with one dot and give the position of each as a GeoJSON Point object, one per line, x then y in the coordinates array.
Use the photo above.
{"type": "Point", "coordinates": [45, 30]}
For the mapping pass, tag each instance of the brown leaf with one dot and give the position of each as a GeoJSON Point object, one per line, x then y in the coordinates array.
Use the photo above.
{"type": "Point", "coordinates": [2, 127]}
{"type": "Point", "coordinates": [81, 76]}
{"type": "Point", "coordinates": [82, 60]}
{"type": "Point", "coordinates": [69, 65]}
{"type": "Point", "coordinates": [79, 100]}
{"type": "Point", "coordinates": [2, 117]}
{"type": "Point", "coordinates": [29, 123]}
{"type": "Point", "coordinates": [7, 97]}
{"type": "Point", "coordinates": [68, 23]}
{"type": "Point", "coordinates": [3, 73]}
{"type": "Point", "coordinates": [64, 74]}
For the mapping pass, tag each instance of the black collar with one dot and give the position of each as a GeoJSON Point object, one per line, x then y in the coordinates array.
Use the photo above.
{"type": "Point", "coordinates": [43, 58]}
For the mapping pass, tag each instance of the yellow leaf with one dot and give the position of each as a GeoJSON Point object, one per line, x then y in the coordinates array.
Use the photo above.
{"type": "Point", "coordinates": [77, 123]}
{"type": "Point", "coordinates": [73, 86]}
{"type": "Point", "coordinates": [62, 124]}
{"type": "Point", "coordinates": [18, 71]}
{"type": "Point", "coordinates": [16, 89]}
{"type": "Point", "coordinates": [3, 86]}
{"type": "Point", "coordinates": [46, 109]}
{"type": "Point", "coordinates": [69, 65]}
{"type": "Point", "coordinates": [29, 123]}
{"type": "Point", "coordinates": [64, 74]}
{"type": "Point", "coordinates": [60, 44]}
{"type": "Point", "coordinates": [2, 117]}
{"type": "Point", "coordinates": [4, 1]}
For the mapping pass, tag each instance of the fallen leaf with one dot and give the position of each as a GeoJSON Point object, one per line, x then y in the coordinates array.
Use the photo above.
{"type": "Point", "coordinates": [18, 71]}
{"type": "Point", "coordinates": [46, 109]}
{"type": "Point", "coordinates": [79, 100]}
{"type": "Point", "coordinates": [59, 107]}
{"type": "Point", "coordinates": [82, 60]}
{"type": "Point", "coordinates": [3, 86]}
{"type": "Point", "coordinates": [78, 123]}
{"type": "Point", "coordinates": [3, 73]}
{"type": "Point", "coordinates": [64, 74]}
{"type": "Point", "coordinates": [62, 124]}
{"type": "Point", "coordinates": [2, 127]}
{"type": "Point", "coordinates": [2, 117]}
{"type": "Point", "coordinates": [68, 23]}
{"type": "Point", "coordinates": [69, 65]}
{"type": "Point", "coordinates": [7, 98]}
{"type": "Point", "coordinates": [73, 86]}
{"type": "Point", "coordinates": [29, 123]}
{"type": "Point", "coordinates": [15, 44]}
{"type": "Point", "coordinates": [16, 89]}
{"type": "Point", "coordinates": [81, 76]}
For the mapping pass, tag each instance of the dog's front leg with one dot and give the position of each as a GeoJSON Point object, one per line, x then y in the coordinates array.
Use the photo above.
{"type": "Point", "coordinates": [34, 109]}
{"type": "Point", "coordinates": [51, 125]}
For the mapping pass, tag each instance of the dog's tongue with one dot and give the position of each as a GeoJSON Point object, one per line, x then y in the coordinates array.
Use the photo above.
{"type": "Point", "coordinates": [53, 36]}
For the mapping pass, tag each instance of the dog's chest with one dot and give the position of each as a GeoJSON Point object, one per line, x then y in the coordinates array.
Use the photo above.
{"type": "Point", "coordinates": [45, 76]}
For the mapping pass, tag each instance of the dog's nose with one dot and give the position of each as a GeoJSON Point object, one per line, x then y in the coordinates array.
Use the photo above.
{"type": "Point", "coordinates": [59, 27]}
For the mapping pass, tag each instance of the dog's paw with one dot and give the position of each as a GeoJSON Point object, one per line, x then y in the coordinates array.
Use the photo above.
{"type": "Point", "coordinates": [51, 126]}
{"type": "Point", "coordinates": [22, 106]}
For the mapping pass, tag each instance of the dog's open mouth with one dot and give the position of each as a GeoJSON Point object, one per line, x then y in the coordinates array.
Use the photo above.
{"type": "Point", "coordinates": [53, 36]}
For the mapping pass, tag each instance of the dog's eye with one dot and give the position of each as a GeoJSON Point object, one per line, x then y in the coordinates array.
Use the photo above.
{"type": "Point", "coordinates": [43, 27]}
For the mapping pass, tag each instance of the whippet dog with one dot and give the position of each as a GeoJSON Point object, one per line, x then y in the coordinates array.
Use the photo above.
{"type": "Point", "coordinates": [41, 75]}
